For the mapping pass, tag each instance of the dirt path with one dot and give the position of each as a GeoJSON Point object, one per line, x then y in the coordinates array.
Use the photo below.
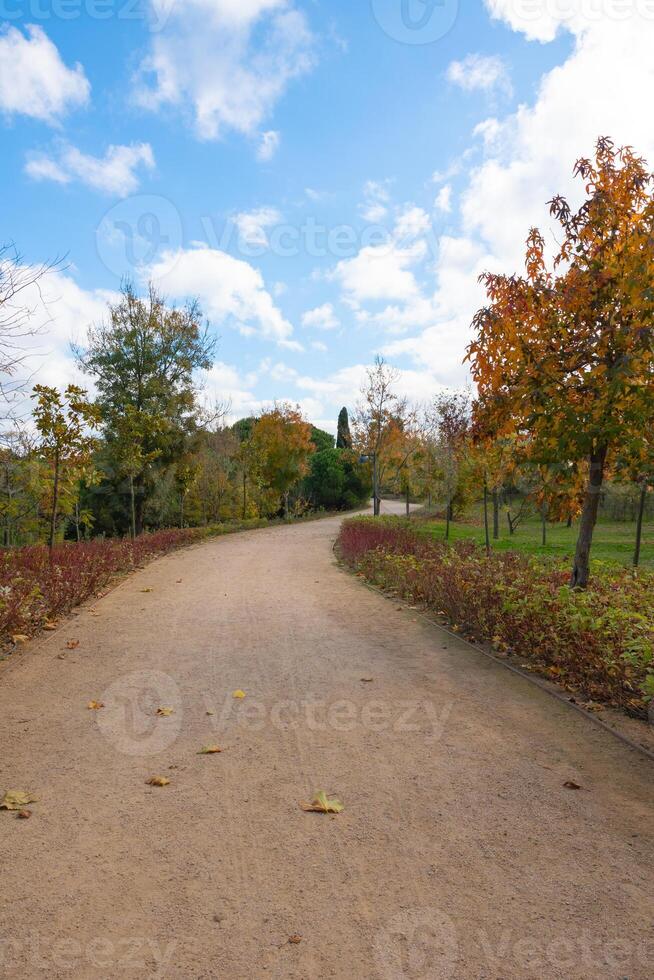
{"type": "Point", "coordinates": [459, 853]}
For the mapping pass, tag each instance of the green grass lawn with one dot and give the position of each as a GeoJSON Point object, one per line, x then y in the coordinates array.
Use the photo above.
{"type": "Point", "coordinates": [613, 540]}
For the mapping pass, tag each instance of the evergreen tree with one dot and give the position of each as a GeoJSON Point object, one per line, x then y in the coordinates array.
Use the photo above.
{"type": "Point", "coordinates": [344, 437]}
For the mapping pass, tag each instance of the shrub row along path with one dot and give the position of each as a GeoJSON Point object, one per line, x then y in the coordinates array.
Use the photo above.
{"type": "Point", "coordinates": [459, 852]}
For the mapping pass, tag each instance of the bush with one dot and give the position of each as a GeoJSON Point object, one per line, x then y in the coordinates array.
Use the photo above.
{"type": "Point", "coordinates": [599, 642]}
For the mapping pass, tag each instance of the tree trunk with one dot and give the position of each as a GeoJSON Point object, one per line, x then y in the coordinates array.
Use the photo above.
{"type": "Point", "coordinates": [408, 503]}
{"type": "Point", "coordinates": [55, 503]}
{"type": "Point", "coordinates": [639, 525]}
{"type": "Point", "coordinates": [569, 524]}
{"type": "Point", "coordinates": [496, 514]}
{"type": "Point", "coordinates": [376, 509]}
{"type": "Point", "coordinates": [133, 508]}
{"type": "Point", "coordinates": [486, 525]}
{"type": "Point", "coordinates": [581, 567]}
{"type": "Point", "coordinates": [139, 505]}
{"type": "Point", "coordinates": [448, 516]}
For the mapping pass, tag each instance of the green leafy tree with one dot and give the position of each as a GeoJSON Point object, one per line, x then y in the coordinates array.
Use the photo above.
{"type": "Point", "coordinates": [63, 422]}
{"type": "Point", "coordinates": [143, 359]}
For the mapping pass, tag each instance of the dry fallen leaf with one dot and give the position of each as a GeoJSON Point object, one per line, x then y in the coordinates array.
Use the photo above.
{"type": "Point", "coordinates": [295, 939]}
{"type": "Point", "coordinates": [570, 785]}
{"type": "Point", "coordinates": [24, 814]}
{"type": "Point", "coordinates": [158, 781]}
{"type": "Point", "coordinates": [20, 638]}
{"type": "Point", "coordinates": [367, 680]}
{"type": "Point", "coordinates": [211, 712]}
{"type": "Point", "coordinates": [95, 705]}
{"type": "Point", "coordinates": [72, 645]}
{"type": "Point", "coordinates": [15, 799]}
{"type": "Point", "coordinates": [321, 803]}
{"type": "Point", "coordinates": [49, 626]}
{"type": "Point", "coordinates": [146, 590]}
{"type": "Point", "coordinates": [165, 712]}
{"type": "Point", "coordinates": [209, 750]}
{"type": "Point", "coordinates": [239, 695]}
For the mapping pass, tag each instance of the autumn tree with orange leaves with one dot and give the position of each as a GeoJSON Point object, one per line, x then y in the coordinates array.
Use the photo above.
{"type": "Point", "coordinates": [565, 356]}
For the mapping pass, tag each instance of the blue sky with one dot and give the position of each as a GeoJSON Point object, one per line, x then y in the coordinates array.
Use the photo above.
{"type": "Point", "coordinates": [328, 178]}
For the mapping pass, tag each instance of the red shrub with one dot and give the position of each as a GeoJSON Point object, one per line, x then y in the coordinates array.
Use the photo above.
{"type": "Point", "coordinates": [35, 586]}
{"type": "Point", "coordinates": [600, 641]}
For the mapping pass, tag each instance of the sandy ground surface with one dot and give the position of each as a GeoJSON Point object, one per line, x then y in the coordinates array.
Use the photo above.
{"type": "Point", "coordinates": [459, 853]}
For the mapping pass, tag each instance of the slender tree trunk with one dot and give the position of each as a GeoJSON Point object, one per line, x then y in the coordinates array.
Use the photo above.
{"type": "Point", "coordinates": [581, 567]}
{"type": "Point", "coordinates": [408, 503]}
{"type": "Point", "coordinates": [139, 505]}
{"type": "Point", "coordinates": [639, 524]}
{"type": "Point", "coordinates": [569, 524]}
{"type": "Point", "coordinates": [376, 509]}
{"type": "Point", "coordinates": [77, 524]}
{"type": "Point", "coordinates": [55, 504]}
{"type": "Point", "coordinates": [496, 514]}
{"type": "Point", "coordinates": [486, 524]}
{"type": "Point", "coordinates": [509, 521]}
{"type": "Point", "coordinates": [448, 515]}
{"type": "Point", "coordinates": [132, 505]}
{"type": "Point", "coordinates": [429, 500]}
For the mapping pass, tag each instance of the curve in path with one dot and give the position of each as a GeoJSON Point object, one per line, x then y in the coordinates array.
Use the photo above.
{"type": "Point", "coordinates": [459, 852]}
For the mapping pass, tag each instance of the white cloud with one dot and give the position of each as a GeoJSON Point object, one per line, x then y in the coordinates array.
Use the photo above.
{"type": "Point", "coordinates": [376, 200]}
{"type": "Point", "coordinates": [229, 61]}
{"type": "Point", "coordinates": [268, 145]}
{"type": "Point", "coordinates": [34, 81]}
{"type": "Point", "coordinates": [443, 200]}
{"type": "Point", "coordinates": [115, 173]}
{"type": "Point", "coordinates": [60, 312]}
{"type": "Point", "coordinates": [253, 225]}
{"type": "Point", "coordinates": [480, 73]}
{"type": "Point", "coordinates": [321, 318]}
{"type": "Point", "coordinates": [231, 291]}
{"type": "Point", "coordinates": [380, 273]}
{"type": "Point", "coordinates": [531, 153]}
{"type": "Point", "coordinates": [319, 346]}
{"type": "Point", "coordinates": [411, 223]}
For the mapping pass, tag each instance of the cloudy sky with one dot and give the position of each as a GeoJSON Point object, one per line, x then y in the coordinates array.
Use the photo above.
{"type": "Point", "coordinates": [328, 177]}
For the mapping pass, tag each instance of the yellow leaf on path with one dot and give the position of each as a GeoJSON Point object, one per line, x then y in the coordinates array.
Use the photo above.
{"type": "Point", "coordinates": [24, 814]}
{"type": "Point", "coordinates": [72, 645]}
{"type": "Point", "coordinates": [239, 695]}
{"type": "Point", "coordinates": [15, 799]}
{"type": "Point", "coordinates": [20, 638]}
{"type": "Point", "coordinates": [95, 705]}
{"type": "Point", "coordinates": [211, 712]}
{"type": "Point", "coordinates": [321, 803]}
{"type": "Point", "coordinates": [165, 712]}
{"type": "Point", "coordinates": [295, 940]}
{"type": "Point", "coordinates": [367, 680]}
{"type": "Point", "coordinates": [209, 750]}
{"type": "Point", "coordinates": [158, 781]}
{"type": "Point", "coordinates": [146, 590]}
